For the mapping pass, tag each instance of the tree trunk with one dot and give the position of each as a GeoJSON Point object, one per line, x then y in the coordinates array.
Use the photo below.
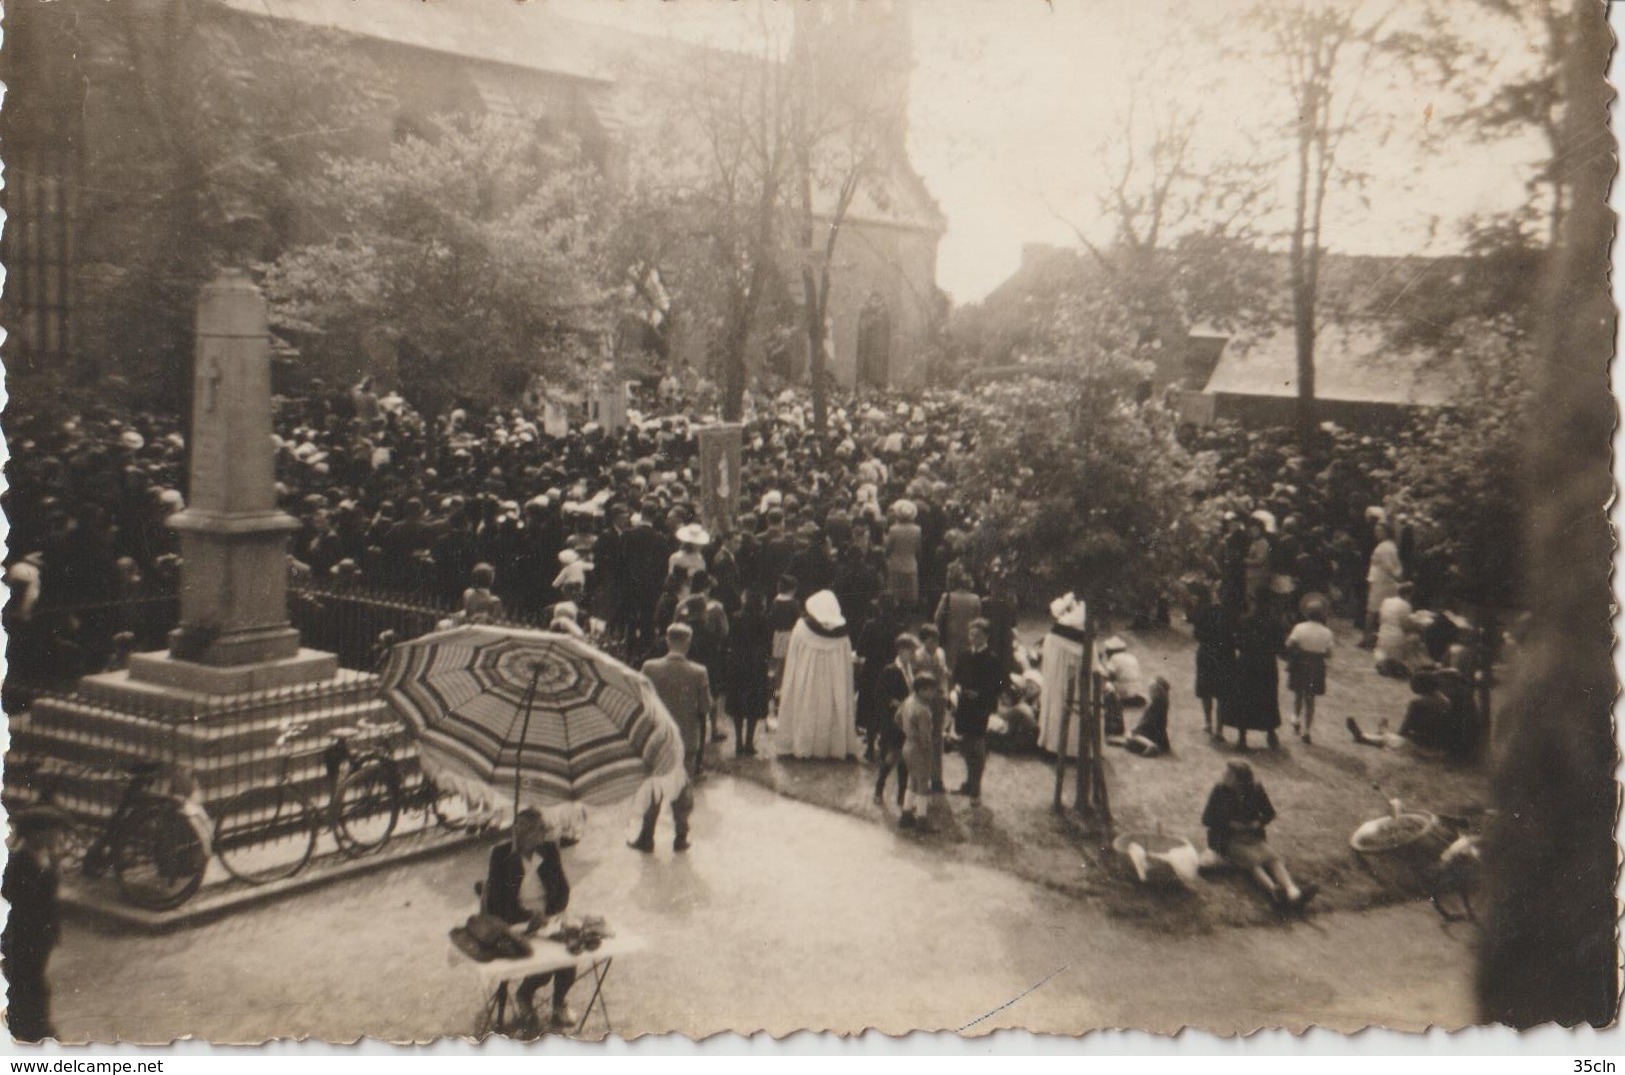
{"type": "Point", "coordinates": [735, 340]}
{"type": "Point", "coordinates": [816, 301]}
{"type": "Point", "coordinates": [1548, 950]}
{"type": "Point", "coordinates": [1303, 291]}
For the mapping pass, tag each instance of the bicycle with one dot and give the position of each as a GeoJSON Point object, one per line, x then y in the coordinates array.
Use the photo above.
{"type": "Point", "coordinates": [155, 843]}
{"type": "Point", "coordinates": [269, 833]}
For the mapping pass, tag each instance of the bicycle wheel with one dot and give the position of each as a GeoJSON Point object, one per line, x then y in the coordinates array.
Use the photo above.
{"type": "Point", "coordinates": [365, 808]}
{"type": "Point", "coordinates": [265, 834]}
{"type": "Point", "coordinates": [158, 858]}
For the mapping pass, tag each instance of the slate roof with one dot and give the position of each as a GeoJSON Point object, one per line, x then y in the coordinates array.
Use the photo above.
{"type": "Point", "coordinates": [523, 35]}
{"type": "Point", "coordinates": [1352, 364]}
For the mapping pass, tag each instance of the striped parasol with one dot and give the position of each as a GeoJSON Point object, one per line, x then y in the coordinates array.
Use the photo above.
{"type": "Point", "coordinates": [544, 716]}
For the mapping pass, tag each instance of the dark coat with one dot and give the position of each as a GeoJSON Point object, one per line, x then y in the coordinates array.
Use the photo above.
{"type": "Point", "coordinates": [980, 677]}
{"type": "Point", "coordinates": [1255, 702]}
{"type": "Point", "coordinates": [1153, 724]}
{"type": "Point", "coordinates": [35, 922]}
{"type": "Point", "coordinates": [749, 688]}
{"type": "Point", "coordinates": [503, 878]}
{"type": "Point", "coordinates": [1215, 634]}
{"type": "Point", "coordinates": [1227, 804]}
{"type": "Point", "coordinates": [892, 687]}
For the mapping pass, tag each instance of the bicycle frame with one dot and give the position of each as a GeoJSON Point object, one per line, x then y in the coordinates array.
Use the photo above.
{"type": "Point", "coordinates": [99, 856]}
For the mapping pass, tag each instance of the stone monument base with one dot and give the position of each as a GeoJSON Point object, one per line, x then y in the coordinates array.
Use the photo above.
{"type": "Point", "coordinates": [161, 669]}
{"type": "Point", "coordinates": [226, 740]}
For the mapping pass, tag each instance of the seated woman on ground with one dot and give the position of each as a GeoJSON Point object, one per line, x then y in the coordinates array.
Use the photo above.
{"type": "Point", "coordinates": [1238, 810]}
{"type": "Point", "coordinates": [1124, 683]}
{"type": "Point", "coordinates": [1150, 736]}
{"type": "Point", "coordinates": [1428, 723]}
{"type": "Point", "coordinates": [1399, 644]}
{"type": "Point", "coordinates": [1013, 729]}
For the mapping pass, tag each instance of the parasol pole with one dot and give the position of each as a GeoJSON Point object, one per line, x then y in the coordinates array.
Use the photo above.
{"type": "Point", "coordinates": [524, 731]}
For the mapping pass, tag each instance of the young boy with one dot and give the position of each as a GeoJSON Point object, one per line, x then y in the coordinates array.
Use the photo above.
{"type": "Point", "coordinates": [916, 717]}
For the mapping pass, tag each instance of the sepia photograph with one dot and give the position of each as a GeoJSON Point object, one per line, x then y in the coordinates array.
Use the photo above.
{"type": "Point", "coordinates": [557, 521]}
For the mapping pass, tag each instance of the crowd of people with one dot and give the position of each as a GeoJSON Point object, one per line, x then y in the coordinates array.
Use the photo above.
{"type": "Point", "coordinates": [842, 609]}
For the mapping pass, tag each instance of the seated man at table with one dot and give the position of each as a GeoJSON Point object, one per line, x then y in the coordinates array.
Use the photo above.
{"type": "Point", "coordinates": [526, 886]}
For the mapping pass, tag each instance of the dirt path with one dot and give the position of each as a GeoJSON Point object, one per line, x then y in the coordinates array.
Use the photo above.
{"type": "Point", "coordinates": [782, 916]}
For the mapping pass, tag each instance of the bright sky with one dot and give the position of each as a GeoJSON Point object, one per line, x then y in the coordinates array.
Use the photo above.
{"type": "Point", "coordinates": [1011, 101]}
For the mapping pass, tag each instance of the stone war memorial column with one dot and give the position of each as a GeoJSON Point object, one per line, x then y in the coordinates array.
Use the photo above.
{"type": "Point", "coordinates": [210, 703]}
{"type": "Point", "coordinates": [234, 633]}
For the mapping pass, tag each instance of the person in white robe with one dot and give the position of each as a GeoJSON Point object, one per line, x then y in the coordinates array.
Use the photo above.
{"type": "Point", "coordinates": [818, 698]}
{"type": "Point", "coordinates": [1063, 659]}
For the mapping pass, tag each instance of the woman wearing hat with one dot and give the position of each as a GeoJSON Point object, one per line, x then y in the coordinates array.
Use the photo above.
{"type": "Point", "coordinates": [903, 556]}
{"type": "Point", "coordinates": [1063, 659]}
{"type": "Point", "coordinates": [817, 702]}
{"type": "Point", "coordinates": [690, 556]}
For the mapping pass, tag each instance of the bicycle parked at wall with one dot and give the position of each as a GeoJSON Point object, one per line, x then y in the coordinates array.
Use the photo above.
{"type": "Point", "coordinates": [156, 842]}
{"type": "Point", "coordinates": [269, 833]}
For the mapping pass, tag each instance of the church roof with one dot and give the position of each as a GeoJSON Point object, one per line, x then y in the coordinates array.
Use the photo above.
{"type": "Point", "coordinates": [521, 35]}
{"type": "Point", "coordinates": [1353, 363]}
{"type": "Point", "coordinates": [628, 75]}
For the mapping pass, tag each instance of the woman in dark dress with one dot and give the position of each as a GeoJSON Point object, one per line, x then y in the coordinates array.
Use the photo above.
{"type": "Point", "coordinates": [748, 685]}
{"type": "Point", "coordinates": [1215, 633]}
{"type": "Point", "coordinates": [1255, 702]}
{"type": "Point", "coordinates": [875, 650]}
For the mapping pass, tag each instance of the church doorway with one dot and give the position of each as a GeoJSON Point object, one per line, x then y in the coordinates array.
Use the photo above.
{"type": "Point", "coordinates": [874, 343]}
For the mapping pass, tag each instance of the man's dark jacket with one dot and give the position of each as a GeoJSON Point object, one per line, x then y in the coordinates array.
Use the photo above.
{"type": "Point", "coordinates": [980, 677]}
{"type": "Point", "coordinates": [506, 872]}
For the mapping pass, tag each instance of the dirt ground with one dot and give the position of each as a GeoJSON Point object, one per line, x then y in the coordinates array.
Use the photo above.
{"type": "Point", "coordinates": [1322, 793]}
{"type": "Point", "coordinates": [782, 916]}
{"type": "Point", "coordinates": [801, 906]}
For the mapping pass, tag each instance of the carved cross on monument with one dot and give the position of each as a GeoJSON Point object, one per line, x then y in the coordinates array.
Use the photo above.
{"type": "Point", "coordinates": [234, 633]}
{"type": "Point", "coordinates": [211, 384]}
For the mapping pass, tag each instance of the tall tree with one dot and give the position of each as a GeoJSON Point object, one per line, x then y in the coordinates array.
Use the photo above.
{"type": "Point", "coordinates": [725, 206]}
{"type": "Point", "coordinates": [1550, 950]}
{"type": "Point", "coordinates": [475, 246]}
{"type": "Point", "coordinates": [841, 136]}
{"type": "Point", "coordinates": [218, 114]}
{"type": "Point", "coordinates": [1326, 53]}
{"type": "Point", "coordinates": [1508, 67]}
{"type": "Point", "coordinates": [1183, 214]}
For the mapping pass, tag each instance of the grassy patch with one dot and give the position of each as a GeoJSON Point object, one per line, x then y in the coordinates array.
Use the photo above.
{"type": "Point", "coordinates": [1321, 791]}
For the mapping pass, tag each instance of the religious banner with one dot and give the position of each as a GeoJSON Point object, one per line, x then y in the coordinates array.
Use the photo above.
{"type": "Point", "coordinates": [555, 419]}
{"type": "Point", "coordinates": [719, 476]}
{"type": "Point", "coordinates": [609, 405]}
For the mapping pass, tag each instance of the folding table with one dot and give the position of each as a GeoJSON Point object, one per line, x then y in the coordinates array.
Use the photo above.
{"type": "Point", "coordinates": [547, 957]}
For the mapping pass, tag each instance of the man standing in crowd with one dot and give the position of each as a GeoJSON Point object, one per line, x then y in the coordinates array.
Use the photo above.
{"type": "Point", "coordinates": [613, 574]}
{"type": "Point", "coordinates": [686, 692]}
{"type": "Point", "coordinates": [707, 618]}
{"type": "Point", "coordinates": [979, 676]}
{"type": "Point", "coordinates": [35, 922]}
{"type": "Point", "coordinates": [643, 555]}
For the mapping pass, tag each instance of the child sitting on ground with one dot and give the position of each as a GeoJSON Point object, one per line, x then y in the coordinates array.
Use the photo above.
{"type": "Point", "coordinates": [1150, 735]}
{"type": "Point", "coordinates": [1427, 723]}
{"type": "Point", "coordinates": [1013, 728]}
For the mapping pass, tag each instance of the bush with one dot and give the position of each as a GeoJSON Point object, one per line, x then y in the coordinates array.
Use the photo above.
{"type": "Point", "coordinates": [1082, 489]}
